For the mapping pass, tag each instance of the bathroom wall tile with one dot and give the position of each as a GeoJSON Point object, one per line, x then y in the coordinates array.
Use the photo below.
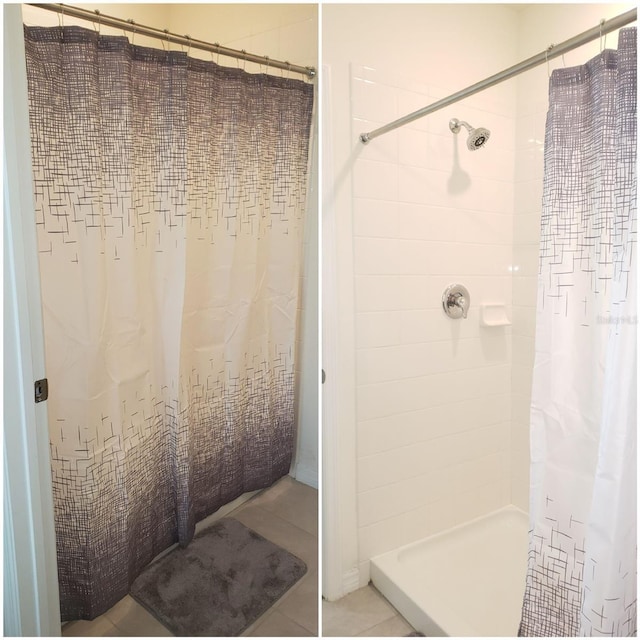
{"type": "Point", "coordinates": [412, 360]}
{"type": "Point", "coordinates": [520, 436]}
{"type": "Point", "coordinates": [421, 186]}
{"type": "Point", "coordinates": [389, 398]}
{"type": "Point", "coordinates": [523, 350]}
{"type": "Point", "coordinates": [426, 222]}
{"type": "Point", "coordinates": [483, 228]}
{"type": "Point", "coordinates": [529, 162]}
{"type": "Point", "coordinates": [409, 428]}
{"type": "Point", "coordinates": [392, 293]}
{"type": "Point", "coordinates": [479, 501]}
{"type": "Point", "coordinates": [376, 218]}
{"type": "Point", "coordinates": [521, 406]}
{"type": "Point", "coordinates": [525, 291]}
{"type": "Point", "coordinates": [525, 256]}
{"type": "Point", "coordinates": [522, 376]}
{"type": "Point", "coordinates": [528, 197]}
{"type": "Point", "coordinates": [382, 536]}
{"type": "Point", "coordinates": [377, 180]}
{"type": "Point", "coordinates": [442, 515]}
{"type": "Point", "coordinates": [432, 325]}
{"type": "Point", "coordinates": [413, 148]}
{"type": "Point", "coordinates": [389, 500]}
{"type": "Point", "coordinates": [378, 329]}
{"type": "Point", "coordinates": [380, 256]}
{"type": "Point", "coordinates": [526, 228]}
{"type": "Point", "coordinates": [373, 100]}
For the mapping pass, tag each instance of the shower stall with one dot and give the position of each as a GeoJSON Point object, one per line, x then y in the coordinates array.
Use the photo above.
{"type": "Point", "coordinates": [426, 429]}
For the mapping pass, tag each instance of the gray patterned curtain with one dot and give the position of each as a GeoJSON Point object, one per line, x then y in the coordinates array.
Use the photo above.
{"type": "Point", "coordinates": [582, 572]}
{"type": "Point", "coordinates": [170, 195]}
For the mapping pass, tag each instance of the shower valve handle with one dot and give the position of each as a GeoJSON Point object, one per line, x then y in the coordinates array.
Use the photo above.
{"type": "Point", "coordinates": [455, 301]}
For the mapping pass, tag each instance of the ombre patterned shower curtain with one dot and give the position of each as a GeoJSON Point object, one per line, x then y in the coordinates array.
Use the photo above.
{"type": "Point", "coordinates": [581, 576]}
{"type": "Point", "coordinates": [170, 195]}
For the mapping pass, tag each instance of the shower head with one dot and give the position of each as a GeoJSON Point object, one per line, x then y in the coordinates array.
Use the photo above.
{"type": "Point", "coordinates": [477, 137]}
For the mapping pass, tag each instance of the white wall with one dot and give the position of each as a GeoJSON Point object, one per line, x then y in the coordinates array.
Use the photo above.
{"type": "Point", "coordinates": [284, 32]}
{"type": "Point", "coordinates": [539, 25]}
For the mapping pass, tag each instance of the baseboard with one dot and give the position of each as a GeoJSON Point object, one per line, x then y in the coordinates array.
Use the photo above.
{"type": "Point", "coordinates": [306, 475]}
{"type": "Point", "coordinates": [350, 581]}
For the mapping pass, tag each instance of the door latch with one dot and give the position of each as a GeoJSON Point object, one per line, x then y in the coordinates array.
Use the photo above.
{"type": "Point", "coordinates": [41, 390]}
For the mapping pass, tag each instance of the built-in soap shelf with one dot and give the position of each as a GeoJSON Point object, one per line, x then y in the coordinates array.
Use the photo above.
{"type": "Point", "coordinates": [493, 315]}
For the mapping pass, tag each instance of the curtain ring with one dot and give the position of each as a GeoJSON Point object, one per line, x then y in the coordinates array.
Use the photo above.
{"type": "Point", "coordinates": [244, 59]}
{"type": "Point", "coordinates": [602, 21]}
{"type": "Point", "coordinates": [166, 31]}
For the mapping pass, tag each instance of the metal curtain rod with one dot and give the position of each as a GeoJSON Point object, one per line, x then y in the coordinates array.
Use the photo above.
{"type": "Point", "coordinates": [553, 51]}
{"type": "Point", "coordinates": [188, 41]}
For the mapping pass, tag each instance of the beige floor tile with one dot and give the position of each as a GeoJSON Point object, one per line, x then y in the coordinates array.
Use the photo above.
{"type": "Point", "coordinates": [395, 627]}
{"type": "Point", "coordinates": [355, 613]}
{"type": "Point", "coordinates": [101, 626]}
{"type": "Point", "coordinates": [293, 501]}
{"type": "Point", "coordinates": [300, 603]}
{"type": "Point", "coordinates": [277, 625]}
{"type": "Point", "coordinates": [134, 620]}
{"type": "Point", "coordinates": [297, 541]}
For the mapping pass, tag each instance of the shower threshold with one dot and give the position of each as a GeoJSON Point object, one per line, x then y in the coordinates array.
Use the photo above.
{"type": "Point", "coordinates": [466, 581]}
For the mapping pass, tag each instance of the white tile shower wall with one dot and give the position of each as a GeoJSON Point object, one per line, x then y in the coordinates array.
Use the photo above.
{"type": "Point", "coordinates": [433, 394]}
{"type": "Point", "coordinates": [538, 26]}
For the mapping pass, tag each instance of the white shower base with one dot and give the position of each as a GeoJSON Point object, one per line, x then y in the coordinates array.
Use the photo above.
{"type": "Point", "coordinates": [467, 581]}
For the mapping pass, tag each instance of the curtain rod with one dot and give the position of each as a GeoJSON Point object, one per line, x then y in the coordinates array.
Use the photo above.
{"type": "Point", "coordinates": [553, 51]}
{"type": "Point", "coordinates": [186, 40]}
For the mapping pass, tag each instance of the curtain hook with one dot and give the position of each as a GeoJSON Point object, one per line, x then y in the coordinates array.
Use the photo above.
{"type": "Point", "coordinates": [244, 59]}
{"type": "Point", "coordinates": [546, 58]}
{"type": "Point", "coordinates": [266, 64]}
{"type": "Point", "coordinates": [188, 37]}
{"type": "Point", "coordinates": [133, 24]}
{"type": "Point", "coordinates": [602, 21]}
{"type": "Point", "coordinates": [288, 69]}
{"type": "Point", "coordinates": [166, 31]}
{"type": "Point", "coordinates": [97, 12]}
{"type": "Point", "coordinates": [217, 45]}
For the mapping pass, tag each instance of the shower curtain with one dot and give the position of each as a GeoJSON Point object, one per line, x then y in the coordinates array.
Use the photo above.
{"type": "Point", "coordinates": [581, 577]}
{"type": "Point", "coordinates": [169, 195]}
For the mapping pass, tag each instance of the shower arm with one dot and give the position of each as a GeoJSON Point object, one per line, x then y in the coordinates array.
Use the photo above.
{"type": "Point", "coordinates": [164, 35]}
{"type": "Point", "coordinates": [553, 51]}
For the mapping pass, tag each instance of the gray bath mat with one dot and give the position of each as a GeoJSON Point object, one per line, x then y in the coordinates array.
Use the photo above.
{"type": "Point", "coordinates": [219, 584]}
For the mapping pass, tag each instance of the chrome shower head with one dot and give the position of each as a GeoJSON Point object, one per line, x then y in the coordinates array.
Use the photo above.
{"type": "Point", "coordinates": [477, 137]}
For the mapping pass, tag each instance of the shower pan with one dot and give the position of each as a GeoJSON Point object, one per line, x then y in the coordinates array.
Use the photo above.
{"type": "Point", "coordinates": [467, 581]}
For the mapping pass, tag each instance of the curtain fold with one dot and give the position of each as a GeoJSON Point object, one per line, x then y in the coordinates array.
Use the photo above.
{"type": "Point", "coordinates": [582, 573]}
{"type": "Point", "coordinates": [170, 197]}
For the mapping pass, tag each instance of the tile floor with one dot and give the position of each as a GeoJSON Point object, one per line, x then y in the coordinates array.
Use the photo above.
{"type": "Point", "coordinates": [287, 514]}
{"type": "Point", "coordinates": [364, 612]}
